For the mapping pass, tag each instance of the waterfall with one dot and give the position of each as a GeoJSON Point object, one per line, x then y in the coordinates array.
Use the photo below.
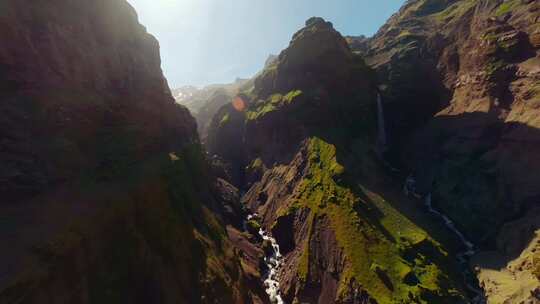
{"type": "Point", "coordinates": [462, 257]}
{"type": "Point", "coordinates": [273, 262]}
{"type": "Point", "coordinates": [381, 125]}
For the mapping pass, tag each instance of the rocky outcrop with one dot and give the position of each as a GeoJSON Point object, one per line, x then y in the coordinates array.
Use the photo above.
{"type": "Point", "coordinates": [80, 92]}
{"type": "Point", "coordinates": [460, 85]}
{"type": "Point", "coordinates": [307, 137]}
{"type": "Point", "coordinates": [106, 193]}
{"type": "Point", "coordinates": [305, 83]}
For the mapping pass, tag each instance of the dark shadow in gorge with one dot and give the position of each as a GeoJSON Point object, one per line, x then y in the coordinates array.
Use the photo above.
{"type": "Point", "coordinates": [481, 172]}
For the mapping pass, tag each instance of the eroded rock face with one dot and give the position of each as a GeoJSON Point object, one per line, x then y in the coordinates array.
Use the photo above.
{"type": "Point", "coordinates": [460, 84]}
{"type": "Point", "coordinates": [306, 91]}
{"type": "Point", "coordinates": [307, 139]}
{"type": "Point", "coordinates": [483, 72]}
{"type": "Point", "coordinates": [82, 90]}
{"type": "Point", "coordinates": [107, 191]}
{"type": "Point", "coordinates": [331, 236]}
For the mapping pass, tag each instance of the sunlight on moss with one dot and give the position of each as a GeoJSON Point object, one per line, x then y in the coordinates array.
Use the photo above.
{"type": "Point", "coordinates": [507, 7]}
{"type": "Point", "coordinates": [374, 259]}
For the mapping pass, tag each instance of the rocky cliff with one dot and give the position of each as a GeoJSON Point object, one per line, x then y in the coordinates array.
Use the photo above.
{"type": "Point", "coordinates": [461, 83]}
{"type": "Point", "coordinates": [304, 144]}
{"type": "Point", "coordinates": [106, 194]}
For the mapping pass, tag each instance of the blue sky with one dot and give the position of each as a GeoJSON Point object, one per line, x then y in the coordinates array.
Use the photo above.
{"type": "Point", "coordinates": [215, 41]}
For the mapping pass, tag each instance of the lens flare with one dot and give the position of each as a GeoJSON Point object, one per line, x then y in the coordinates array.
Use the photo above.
{"type": "Point", "coordinates": [239, 104]}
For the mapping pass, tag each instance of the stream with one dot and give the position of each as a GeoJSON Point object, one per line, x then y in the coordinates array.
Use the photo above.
{"type": "Point", "coordinates": [462, 257]}
{"type": "Point", "coordinates": [273, 262]}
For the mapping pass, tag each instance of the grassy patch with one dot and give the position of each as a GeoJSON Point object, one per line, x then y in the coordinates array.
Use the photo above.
{"type": "Point", "coordinates": [272, 103]}
{"type": "Point", "coordinates": [303, 265]}
{"type": "Point", "coordinates": [455, 11]}
{"type": "Point", "coordinates": [289, 98]}
{"type": "Point", "coordinates": [224, 120]}
{"type": "Point", "coordinates": [494, 66]}
{"type": "Point", "coordinates": [365, 243]}
{"type": "Point", "coordinates": [507, 7]}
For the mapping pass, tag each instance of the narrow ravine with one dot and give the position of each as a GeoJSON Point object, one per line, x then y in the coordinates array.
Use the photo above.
{"type": "Point", "coordinates": [273, 261]}
{"type": "Point", "coordinates": [463, 257]}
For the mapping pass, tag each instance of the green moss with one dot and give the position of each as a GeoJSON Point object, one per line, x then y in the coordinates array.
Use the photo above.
{"type": "Point", "coordinates": [303, 264]}
{"type": "Point", "coordinates": [364, 243]}
{"type": "Point", "coordinates": [272, 103]}
{"type": "Point", "coordinates": [253, 115]}
{"type": "Point", "coordinates": [256, 165]}
{"type": "Point", "coordinates": [289, 98]}
{"type": "Point", "coordinates": [494, 66]}
{"type": "Point", "coordinates": [224, 120]}
{"type": "Point", "coordinates": [490, 36]}
{"type": "Point", "coordinates": [455, 11]}
{"type": "Point", "coordinates": [507, 7]}
{"type": "Point", "coordinates": [253, 225]}
{"type": "Point", "coordinates": [275, 99]}
{"type": "Point", "coordinates": [404, 33]}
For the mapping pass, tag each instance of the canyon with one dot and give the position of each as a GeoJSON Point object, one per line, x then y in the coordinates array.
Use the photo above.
{"type": "Point", "coordinates": [399, 168]}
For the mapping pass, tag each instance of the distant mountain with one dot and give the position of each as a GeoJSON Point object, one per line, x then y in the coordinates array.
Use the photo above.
{"type": "Point", "coordinates": [204, 103]}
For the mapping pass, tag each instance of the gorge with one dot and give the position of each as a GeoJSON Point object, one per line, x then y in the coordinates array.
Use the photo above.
{"type": "Point", "coordinates": [399, 168]}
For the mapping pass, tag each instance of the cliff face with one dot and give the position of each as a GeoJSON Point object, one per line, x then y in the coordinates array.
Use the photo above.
{"type": "Point", "coordinates": [461, 88]}
{"type": "Point", "coordinates": [306, 135]}
{"type": "Point", "coordinates": [106, 194]}
{"type": "Point", "coordinates": [82, 90]}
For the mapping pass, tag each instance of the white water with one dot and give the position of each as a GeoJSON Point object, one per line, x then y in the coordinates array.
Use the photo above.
{"type": "Point", "coordinates": [273, 262]}
{"type": "Point", "coordinates": [381, 123]}
{"type": "Point", "coordinates": [462, 257]}
{"type": "Point", "coordinates": [271, 282]}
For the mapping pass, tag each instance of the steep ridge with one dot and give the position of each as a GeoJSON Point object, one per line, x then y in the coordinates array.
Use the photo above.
{"type": "Point", "coordinates": [303, 141]}
{"type": "Point", "coordinates": [106, 194]}
{"type": "Point", "coordinates": [460, 86]}
{"type": "Point", "coordinates": [204, 103]}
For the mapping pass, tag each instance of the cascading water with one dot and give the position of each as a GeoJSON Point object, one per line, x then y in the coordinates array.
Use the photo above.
{"type": "Point", "coordinates": [271, 282]}
{"type": "Point", "coordinates": [273, 262]}
{"type": "Point", "coordinates": [462, 257]}
{"type": "Point", "coordinates": [381, 140]}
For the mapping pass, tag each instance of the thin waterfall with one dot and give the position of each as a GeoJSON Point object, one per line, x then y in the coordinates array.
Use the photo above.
{"type": "Point", "coordinates": [381, 140]}
{"type": "Point", "coordinates": [273, 262]}
{"type": "Point", "coordinates": [462, 257]}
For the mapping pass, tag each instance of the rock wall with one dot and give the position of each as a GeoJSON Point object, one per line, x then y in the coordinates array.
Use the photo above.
{"type": "Point", "coordinates": [107, 196]}
{"type": "Point", "coordinates": [460, 83]}
{"type": "Point", "coordinates": [82, 92]}
{"type": "Point", "coordinates": [308, 140]}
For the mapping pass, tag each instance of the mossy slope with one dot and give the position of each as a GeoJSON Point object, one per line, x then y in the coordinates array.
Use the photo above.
{"type": "Point", "coordinates": [390, 257]}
